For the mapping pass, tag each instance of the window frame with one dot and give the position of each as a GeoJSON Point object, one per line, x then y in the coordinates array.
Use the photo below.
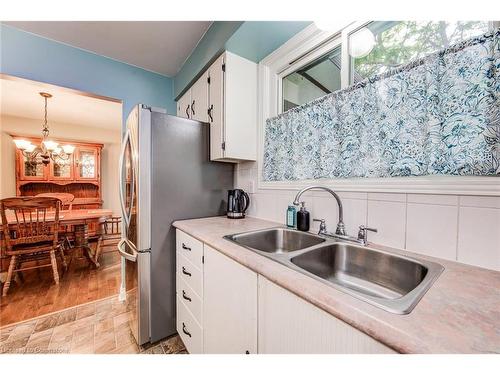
{"type": "Point", "coordinates": [300, 50]}
{"type": "Point", "coordinates": [328, 46]}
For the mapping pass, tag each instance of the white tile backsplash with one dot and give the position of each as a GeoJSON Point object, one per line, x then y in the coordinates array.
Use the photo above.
{"type": "Point", "coordinates": [474, 201]}
{"type": "Point", "coordinates": [389, 218]}
{"type": "Point", "coordinates": [463, 228]}
{"type": "Point", "coordinates": [432, 230]}
{"type": "Point", "coordinates": [327, 208]}
{"type": "Point", "coordinates": [390, 197]}
{"type": "Point", "coordinates": [449, 200]}
{"type": "Point", "coordinates": [263, 206]}
{"type": "Point", "coordinates": [479, 237]}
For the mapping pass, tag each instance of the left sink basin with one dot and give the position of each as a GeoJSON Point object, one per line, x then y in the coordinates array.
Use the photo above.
{"type": "Point", "coordinates": [276, 240]}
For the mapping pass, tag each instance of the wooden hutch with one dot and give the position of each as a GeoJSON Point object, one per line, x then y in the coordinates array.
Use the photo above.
{"type": "Point", "coordinates": [80, 175]}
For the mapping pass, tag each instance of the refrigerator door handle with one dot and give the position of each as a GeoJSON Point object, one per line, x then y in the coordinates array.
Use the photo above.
{"type": "Point", "coordinates": [124, 253]}
{"type": "Point", "coordinates": [126, 139]}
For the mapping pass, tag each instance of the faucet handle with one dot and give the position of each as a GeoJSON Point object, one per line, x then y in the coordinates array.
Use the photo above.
{"type": "Point", "coordinates": [362, 227]}
{"type": "Point", "coordinates": [363, 235]}
{"type": "Point", "coordinates": [322, 225]}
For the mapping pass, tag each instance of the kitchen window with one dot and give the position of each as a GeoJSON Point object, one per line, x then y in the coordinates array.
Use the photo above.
{"type": "Point", "coordinates": [316, 79]}
{"type": "Point", "coordinates": [362, 50]}
{"type": "Point", "coordinates": [382, 45]}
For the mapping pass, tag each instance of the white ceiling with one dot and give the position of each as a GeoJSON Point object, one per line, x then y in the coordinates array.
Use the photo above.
{"type": "Point", "coordinates": [21, 98]}
{"type": "Point", "coordinates": [158, 46]}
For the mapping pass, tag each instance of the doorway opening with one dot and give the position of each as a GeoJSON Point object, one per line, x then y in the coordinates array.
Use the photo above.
{"type": "Point", "coordinates": [85, 179]}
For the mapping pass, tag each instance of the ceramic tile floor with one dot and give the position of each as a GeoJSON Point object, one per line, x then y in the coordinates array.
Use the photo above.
{"type": "Point", "coordinates": [99, 327]}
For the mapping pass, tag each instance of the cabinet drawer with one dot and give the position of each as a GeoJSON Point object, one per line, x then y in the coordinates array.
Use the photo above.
{"type": "Point", "coordinates": [190, 274]}
{"type": "Point", "coordinates": [190, 247]}
{"type": "Point", "coordinates": [190, 299]}
{"type": "Point", "coordinates": [189, 331]}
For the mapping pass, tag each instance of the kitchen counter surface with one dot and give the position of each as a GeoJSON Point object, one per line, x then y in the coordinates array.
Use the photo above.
{"type": "Point", "coordinates": [460, 313]}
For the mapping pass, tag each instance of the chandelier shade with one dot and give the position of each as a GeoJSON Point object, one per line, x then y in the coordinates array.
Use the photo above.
{"type": "Point", "coordinates": [47, 149]}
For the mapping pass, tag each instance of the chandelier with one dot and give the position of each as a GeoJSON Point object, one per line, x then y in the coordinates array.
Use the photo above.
{"type": "Point", "coordinates": [47, 149]}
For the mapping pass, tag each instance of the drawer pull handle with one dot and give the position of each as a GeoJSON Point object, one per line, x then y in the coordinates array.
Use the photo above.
{"type": "Point", "coordinates": [184, 295]}
{"type": "Point", "coordinates": [185, 272]}
{"type": "Point", "coordinates": [184, 330]}
{"type": "Point", "coordinates": [185, 247]}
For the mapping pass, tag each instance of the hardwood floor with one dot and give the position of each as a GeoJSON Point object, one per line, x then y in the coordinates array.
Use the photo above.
{"type": "Point", "coordinates": [100, 327]}
{"type": "Point", "coordinates": [38, 294]}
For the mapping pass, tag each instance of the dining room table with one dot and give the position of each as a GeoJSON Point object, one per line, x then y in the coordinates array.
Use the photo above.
{"type": "Point", "coordinates": [79, 220]}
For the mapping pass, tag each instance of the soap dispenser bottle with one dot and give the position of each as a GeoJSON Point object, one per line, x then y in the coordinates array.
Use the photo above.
{"type": "Point", "coordinates": [291, 216]}
{"type": "Point", "coordinates": [303, 218]}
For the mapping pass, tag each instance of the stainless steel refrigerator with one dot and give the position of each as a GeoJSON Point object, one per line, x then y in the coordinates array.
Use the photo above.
{"type": "Point", "coordinates": [165, 175]}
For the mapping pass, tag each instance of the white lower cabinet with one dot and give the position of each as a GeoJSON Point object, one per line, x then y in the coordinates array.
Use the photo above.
{"type": "Point", "coordinates": [224, 307]}
{"type": "Point", "coordinates": [188, 328]}
{"type": "Point", "coordinates": [288, 325]}
{"type": "Point", "coordinates": [229, 305]}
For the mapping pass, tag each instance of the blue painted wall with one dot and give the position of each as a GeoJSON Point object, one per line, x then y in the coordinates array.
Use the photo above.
{"type": "Point", "coordinates": [210, 45]}
{"type": "Point", "coordinates": [33, 57]}
{"type": "Point", "coordinates": [253, 40]}
{"type": "Point", "coordinates": [29, 56]}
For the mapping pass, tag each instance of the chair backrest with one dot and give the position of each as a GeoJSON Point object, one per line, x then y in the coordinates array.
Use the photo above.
{"type": "Point", "coordinates": [66, 199]}
{"type": "Point", "coordinates": [112, 225]}
{"type": "Point", "coordinates": [33, 219]}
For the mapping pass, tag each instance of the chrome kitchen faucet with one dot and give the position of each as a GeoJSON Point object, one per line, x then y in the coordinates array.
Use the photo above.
{"type": "Point", "coordinates": [340, 232]}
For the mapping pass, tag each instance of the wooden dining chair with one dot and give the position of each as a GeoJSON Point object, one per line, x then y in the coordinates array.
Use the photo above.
{"type": "Point", "coordinates": [108, 235]}
{"type": "Point", "coordinates": [66, 233]}
{"type": "Point", "coordinates": [65, 198]}
{"type": "Point", "coordinates": [32, 234]}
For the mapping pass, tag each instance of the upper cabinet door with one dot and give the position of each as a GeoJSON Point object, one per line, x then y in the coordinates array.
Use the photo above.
{"type": "Point", "coordinates": [87, 163]}
{"type": "Point", "coordinates": [216, 108]}
{"type": "Point", "coordinates": [62, 170]}
{"type": "Point", "coordinates": [31, 170]}
{"type": "Point", "coordinates": [184, 105]}
{"type": "Point", "coordinates": [199, 99]}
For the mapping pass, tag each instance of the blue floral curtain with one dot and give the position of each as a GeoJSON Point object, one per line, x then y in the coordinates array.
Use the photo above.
{"type": "Point", "coordinates": [438, 115]}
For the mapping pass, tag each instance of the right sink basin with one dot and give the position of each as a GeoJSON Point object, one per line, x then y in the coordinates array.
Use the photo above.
{"type": "Point", "coordinates": [390, 281]}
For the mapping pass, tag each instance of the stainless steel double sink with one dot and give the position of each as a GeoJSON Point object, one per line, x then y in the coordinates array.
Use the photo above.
{"type": "Point", "coordinates": [392, 282]}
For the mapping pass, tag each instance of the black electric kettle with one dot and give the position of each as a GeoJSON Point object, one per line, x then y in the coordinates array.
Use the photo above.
{"type": "Point", "coordinates": [237, 203]}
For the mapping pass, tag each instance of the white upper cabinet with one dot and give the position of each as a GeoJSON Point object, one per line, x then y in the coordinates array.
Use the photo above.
{"type": "Point", "coordinates": [199, 99]}
{"type": "Point", "coordinates": [233, 107]}
{"type": "Point", "coordinates": [184, 105]}
{"type": "Point", "coordinates": [216, 108]}
{"type": "Point", "coordinates": [225, 96]}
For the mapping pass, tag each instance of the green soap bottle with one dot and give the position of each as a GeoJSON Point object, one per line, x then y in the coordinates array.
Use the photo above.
{"type": "Point", "coordinates": [291, 214]}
